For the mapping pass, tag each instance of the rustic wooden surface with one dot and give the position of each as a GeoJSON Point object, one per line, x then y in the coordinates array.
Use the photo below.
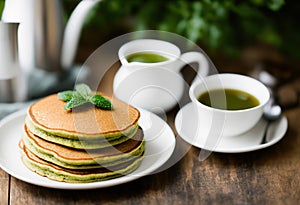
{"type": "Point", "coordinates": [269, 176]}
{"type": "Point", "coordinates": [4, 187]}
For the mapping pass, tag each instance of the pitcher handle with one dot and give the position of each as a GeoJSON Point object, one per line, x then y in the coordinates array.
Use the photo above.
{"type": "Point", "coordinates": [200, 59]}
{"type": "Point", "coordinates": [73, 31]}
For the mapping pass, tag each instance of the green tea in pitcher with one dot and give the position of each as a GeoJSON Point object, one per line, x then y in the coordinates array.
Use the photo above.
{"type": "Point", "coordinates": [228, 99]}
{"type": "Point", "coordinates": [146, 57]}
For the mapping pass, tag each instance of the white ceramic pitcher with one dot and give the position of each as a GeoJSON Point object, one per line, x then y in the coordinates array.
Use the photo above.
{"type": "Point", "coordinates": [44, 41]}
{"type": "Point", "coordinates": [12, 87]}
{"type": "Point", "coordinates": [156, 86]}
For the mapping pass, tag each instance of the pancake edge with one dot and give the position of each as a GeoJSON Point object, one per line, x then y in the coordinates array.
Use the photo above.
{"type": "Point", "coordinates": [107, 161]}
{"type": "Point", "coordinates": [82, 143]}
{"type": "Point", "coordinates": [59, 174]}
{"type": "Point", "coordinates": [72, 135]}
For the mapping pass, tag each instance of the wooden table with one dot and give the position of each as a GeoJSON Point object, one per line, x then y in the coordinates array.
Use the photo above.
{"type": "Point", "coordinates": [268, 176]}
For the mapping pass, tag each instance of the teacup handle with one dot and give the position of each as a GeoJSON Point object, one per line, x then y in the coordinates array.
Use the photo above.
{"type": "Point", "coordinates": [200, 59]}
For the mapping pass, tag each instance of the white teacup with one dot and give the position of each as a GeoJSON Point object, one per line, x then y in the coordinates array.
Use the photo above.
{"type": "Point", "coordinates": [229, 122]}
{"type": "Point", "coordinates": [158, 86]}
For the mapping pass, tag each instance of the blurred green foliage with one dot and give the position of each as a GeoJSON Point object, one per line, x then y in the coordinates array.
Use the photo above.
{"type": "Point", "coordinates": [216, 25]}
{"type": "Point", "coordinates": [225, 25]}
{"type": "Point", "coordinates": [1, 6]}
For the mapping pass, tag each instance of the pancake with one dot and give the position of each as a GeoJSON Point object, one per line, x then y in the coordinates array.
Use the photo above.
{"type": "Point", "coordinates": [82, 159]}
{"type": "Point", "coordinates": [85, 122]}
{"type": "Point", "coordinates": [82, 143]}
{"type": "Point", "coordinates": [58, 173]}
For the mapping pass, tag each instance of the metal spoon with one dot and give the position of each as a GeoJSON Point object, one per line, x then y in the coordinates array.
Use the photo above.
{"type": "Point", "coordinates": [271, 113]}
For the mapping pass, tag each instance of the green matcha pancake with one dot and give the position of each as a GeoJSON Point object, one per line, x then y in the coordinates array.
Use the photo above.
{"type": "Point", "coordinates": [85, 143]}
{"type": "Point", "coordinates": [82, 159]}
{"type": "Point", "coordinates": [58, 173]}
{"type": "Point", "coordinates": [82, 143]}
{"type": "Point", "coordinates": [86, 122]}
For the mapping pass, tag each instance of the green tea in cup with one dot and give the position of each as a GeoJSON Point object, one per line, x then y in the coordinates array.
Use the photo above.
{"type": "Point", "coordinates": [146, 57]}
{"type": "Point", "coordinates": [228, 99]}
{"type": "Point", "coordinates": [242, 100]}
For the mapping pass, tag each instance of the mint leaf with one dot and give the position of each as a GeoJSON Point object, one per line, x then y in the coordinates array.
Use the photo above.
{"type": "Point", "coordinates": [84, 90]}
{"type": "Point", "coordinates": [75, 102]}
{"type": "Point", "coordinates": [82, 95]}
{"type": "Point", "coordinates": [65, 95]}
{"type": "Point", "coordinates": [101, 102]}
{"type": "Point", "coordinates": [77, 95]}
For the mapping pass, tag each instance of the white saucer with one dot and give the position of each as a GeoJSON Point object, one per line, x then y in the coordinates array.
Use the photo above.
{"type": "Point", "coordinates": [186, 123]}
{"type": "Point", "coordinates": [160, 144]}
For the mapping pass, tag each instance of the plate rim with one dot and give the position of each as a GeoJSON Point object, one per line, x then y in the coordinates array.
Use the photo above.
{"type": "Point", "coordinates": [93, 185]}
{"type": "Point", "coordinates": [232, 151]}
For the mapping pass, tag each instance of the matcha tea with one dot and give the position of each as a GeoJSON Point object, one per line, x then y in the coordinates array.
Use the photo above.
{"type": "Point", "coordinates": [234, 99]}
{"type": "Point", "coordinates": [144, 57]}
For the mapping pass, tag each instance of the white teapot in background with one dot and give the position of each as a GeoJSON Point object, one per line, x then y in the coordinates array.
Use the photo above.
{"type": "Point", "coordinates": [44, 42]}
{"type": "Point", "coordinates": [157, 86]}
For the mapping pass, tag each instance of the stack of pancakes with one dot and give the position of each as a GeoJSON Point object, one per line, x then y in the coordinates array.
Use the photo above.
{"type": "Point", "coordinates": [83, 145]}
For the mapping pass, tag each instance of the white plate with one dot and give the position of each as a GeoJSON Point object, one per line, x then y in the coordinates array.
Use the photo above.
{"type": "Point", "coordinates": [186, 125]}
{"type": "Point", "coordinates": [160, 144]}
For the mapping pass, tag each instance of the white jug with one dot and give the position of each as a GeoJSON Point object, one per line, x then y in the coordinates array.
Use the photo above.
{"type": "Point", "coordinates": [12, 87]}
{"type": "Point", "coordinates": [158, 86]}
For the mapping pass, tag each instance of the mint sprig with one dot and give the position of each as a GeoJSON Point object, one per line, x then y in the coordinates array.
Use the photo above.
{"type": "Point", "coordinates": [82, 95]}
{"type": "Point", "coordinates": [65, 95]}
